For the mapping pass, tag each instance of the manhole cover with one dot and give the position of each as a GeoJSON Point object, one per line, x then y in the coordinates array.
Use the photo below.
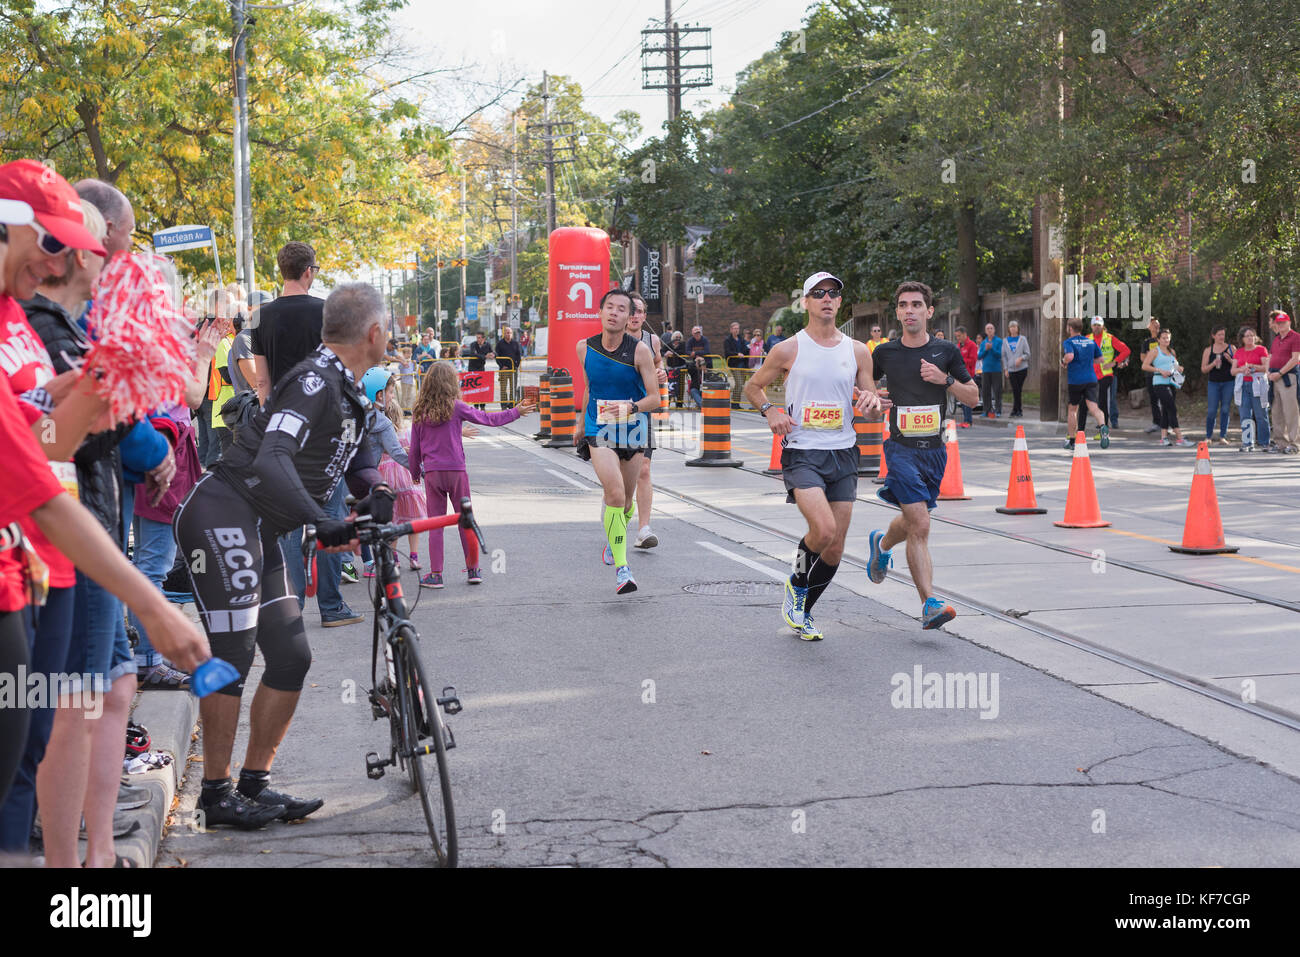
{"type": "Point", "coordinates": [736, 589]}
{"type": "Point", "coordinates": [557, 491]}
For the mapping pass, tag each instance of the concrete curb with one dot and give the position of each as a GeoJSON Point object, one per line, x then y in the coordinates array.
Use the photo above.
{"type": "Point", "coordinates": [170, 717]}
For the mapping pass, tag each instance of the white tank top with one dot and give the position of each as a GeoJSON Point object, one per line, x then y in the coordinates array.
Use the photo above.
{"type": "Point", "coordinates": [819, 395]}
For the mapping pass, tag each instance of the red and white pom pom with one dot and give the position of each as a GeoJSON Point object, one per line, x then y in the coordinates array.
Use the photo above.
{"type": "Point", "coordinates": [143, 347]}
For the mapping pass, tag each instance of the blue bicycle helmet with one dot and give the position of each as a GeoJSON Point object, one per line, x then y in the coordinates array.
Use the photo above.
{"type": "Point", "coordinates": [375, 381]}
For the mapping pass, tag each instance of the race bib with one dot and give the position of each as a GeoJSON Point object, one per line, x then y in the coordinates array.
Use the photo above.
{"type": "Point", "coordinates": [608, 412]}
{"type": "Point", "coordinates": [918, 420]}
{"type": "Point", "coordinates": [66, 473]}
{"type": "Point", "coordinates": [823, 416]}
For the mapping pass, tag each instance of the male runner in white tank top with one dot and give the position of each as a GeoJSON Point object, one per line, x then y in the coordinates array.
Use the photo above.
{"type": "Point", "coordinates": [644, 490]}
{"type": "Point", "coordinates": [827, 371]}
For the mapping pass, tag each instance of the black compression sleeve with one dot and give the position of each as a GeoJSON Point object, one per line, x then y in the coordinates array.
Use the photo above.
{"type": "Point", "coordinates": [363, 471]}
{"type": "Point", "coordinates": [293, 415]}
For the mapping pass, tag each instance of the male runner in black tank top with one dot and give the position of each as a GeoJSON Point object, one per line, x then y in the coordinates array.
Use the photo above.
{"type": "Point", "coordinates": [644, 490]}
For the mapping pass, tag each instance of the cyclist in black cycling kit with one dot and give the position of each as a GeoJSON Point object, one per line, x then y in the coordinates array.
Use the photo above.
{"type": "Point", "coordinates": [277, 476]}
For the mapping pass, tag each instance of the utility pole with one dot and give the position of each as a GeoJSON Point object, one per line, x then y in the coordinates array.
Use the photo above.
{"type": "Point", "coordinates": [552, 157]}
{"type": "Point", "coordinates": [419, 305]}
{"type": "Point", "coordinates": [437, 310]}
{"type": "Point", "coordinates": [514, 206]}
{"type": "Point", "coordinates": [550, 154]}
{"type": "Point", "coordinates": [1052, 257]}
{"type": "Point", "coordinates": [676, 76]}
{"type": "Point", "coordinates": [463, 251]}
{"type": "Point", "coordinates": [243, 189]}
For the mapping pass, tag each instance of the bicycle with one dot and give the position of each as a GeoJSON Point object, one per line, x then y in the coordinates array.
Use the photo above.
{"type": "Point", "coordinates": [418, 737]}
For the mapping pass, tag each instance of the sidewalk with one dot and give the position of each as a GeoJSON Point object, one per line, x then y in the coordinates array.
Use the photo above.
{"type": "Point", "coordinates": [170, 717]}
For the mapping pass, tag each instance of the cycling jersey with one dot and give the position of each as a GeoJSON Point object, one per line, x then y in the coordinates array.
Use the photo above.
{"type": "Point", "coordinates": [294, 452]}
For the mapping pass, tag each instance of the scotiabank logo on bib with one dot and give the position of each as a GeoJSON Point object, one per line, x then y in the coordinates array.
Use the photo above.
{"type": "Point", "coordinates": [918, 419]}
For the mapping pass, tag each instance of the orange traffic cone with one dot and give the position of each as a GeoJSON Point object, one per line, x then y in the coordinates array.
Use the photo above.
{"type": "Point", "coordinates": [951, 489]}
{"type": "Point", "coordinates": [1203, 530]}
{"type": "Point", "coordinates": [1081, 508]}
{"type": "Point", "coordinates": [1020, 487]}
{"type": "Point", "coordinates": [884, 465]}
{"type": "Point", "coordinates": [774, 464]}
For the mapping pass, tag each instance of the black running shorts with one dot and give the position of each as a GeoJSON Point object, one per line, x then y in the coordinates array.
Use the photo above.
{"type": "Point", "coordinates": [1084, 392]}
{"type": "Point", "coordinates": [241, 586]}
{"type": "Point", "coordinates": [835, 470]}
{"type": "Point", "coordinates": [624, 452]}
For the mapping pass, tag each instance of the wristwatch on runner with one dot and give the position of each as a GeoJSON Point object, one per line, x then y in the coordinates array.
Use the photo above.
{"type": "Point", "coordinates": [950, 381]}
{"type": "Point", "coordinates": [762, 409]}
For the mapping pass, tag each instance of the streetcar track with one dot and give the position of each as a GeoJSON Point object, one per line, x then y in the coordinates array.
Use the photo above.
{"type": "Point", "coordinates": [1273, 714]}
{"type": "Point", "coordinates": [1079, 553]}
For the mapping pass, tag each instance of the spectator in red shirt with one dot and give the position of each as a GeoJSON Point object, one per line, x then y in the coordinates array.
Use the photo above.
{"type": "Point", "coordinates": [1118, 352]}
{"type": "Point", "coordinates": [1283, 357]}
{"type": "Point", "coordinates": [969, 354]}
{"type": "Point", "coordinates": [1249, 365]}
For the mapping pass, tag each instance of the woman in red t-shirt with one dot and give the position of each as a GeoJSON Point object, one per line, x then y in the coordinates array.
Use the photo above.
{"type": "Point", "coordinates": [1249, 367]}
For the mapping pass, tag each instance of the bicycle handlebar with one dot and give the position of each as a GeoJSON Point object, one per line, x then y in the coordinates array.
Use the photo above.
{"type": "Point", "coordinates": [370, 533]}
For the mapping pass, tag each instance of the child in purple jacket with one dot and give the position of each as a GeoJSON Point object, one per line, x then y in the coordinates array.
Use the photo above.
{"type": "Point", "coordinates": [438, 455]}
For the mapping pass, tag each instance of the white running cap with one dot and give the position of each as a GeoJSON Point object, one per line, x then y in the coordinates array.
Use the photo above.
{"type": "Point", "coordinates": [817, 277]}
{"type": "Point", "coordinates": [14, 212]}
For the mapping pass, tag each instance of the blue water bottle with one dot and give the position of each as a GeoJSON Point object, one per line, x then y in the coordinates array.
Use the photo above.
{"type": "Point", "coordinates": [212, 675]}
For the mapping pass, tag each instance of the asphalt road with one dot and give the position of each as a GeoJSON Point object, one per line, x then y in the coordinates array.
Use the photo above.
{"type": "Point", "coordinates": [671, 728]}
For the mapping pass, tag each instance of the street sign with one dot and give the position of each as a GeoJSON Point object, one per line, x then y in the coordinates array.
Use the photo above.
{"type": "Point", "coordinates": [178, 238]}
{"type": "Point", "coordinates": [456, 263]}
{"type": "Point", "coordinates": [471, 308]}
{"type": "Point", "coordinates": [182, 237]}
{"type": "Point", "coordinates": [695, 289]}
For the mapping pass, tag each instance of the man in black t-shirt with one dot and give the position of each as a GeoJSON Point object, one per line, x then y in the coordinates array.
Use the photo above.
{"type": "Point", "coordinates": [289, 328]}
{"type": "Point", "coordinates": [921, 372]}
{"type": "Point", "coordinates": [479, 351]}
{"type": "Point", "coordinates": [290, 331]}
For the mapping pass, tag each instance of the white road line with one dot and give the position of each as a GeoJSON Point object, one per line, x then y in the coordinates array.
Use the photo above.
{"type": "Point", "coordinates": [779, 575]}
{"type": "Point", "coordinates": [572, 481]}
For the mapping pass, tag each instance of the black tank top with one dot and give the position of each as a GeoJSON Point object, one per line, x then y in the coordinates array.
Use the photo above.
{"type": "Point", "coordinates": [1224, 372]}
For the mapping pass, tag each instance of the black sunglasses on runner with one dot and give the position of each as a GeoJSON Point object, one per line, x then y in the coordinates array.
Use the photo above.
{"type": "Point", "coordinates": [823, 293]}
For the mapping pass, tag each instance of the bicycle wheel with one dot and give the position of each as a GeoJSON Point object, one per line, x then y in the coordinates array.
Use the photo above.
{"type": "Point", "coordinates": [423, 730]}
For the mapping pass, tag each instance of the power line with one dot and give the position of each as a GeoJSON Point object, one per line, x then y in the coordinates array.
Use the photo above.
{"type": "Point", "coordinates": [846, 96]}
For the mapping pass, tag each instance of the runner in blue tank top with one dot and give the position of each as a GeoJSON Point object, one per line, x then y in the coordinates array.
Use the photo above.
{"type": "Point", "coordinates": [621, 389]}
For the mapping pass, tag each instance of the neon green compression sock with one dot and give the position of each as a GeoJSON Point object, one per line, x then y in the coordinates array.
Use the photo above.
{"type": "Point", "coordinates": [616, 533]}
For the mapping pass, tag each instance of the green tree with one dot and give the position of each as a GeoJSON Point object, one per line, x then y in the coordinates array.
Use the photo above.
{"type": "Point", "coordinates": [139, 94]}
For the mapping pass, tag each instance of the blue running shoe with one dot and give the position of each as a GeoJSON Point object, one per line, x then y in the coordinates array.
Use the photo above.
{"type": "Point", "coordinates": [880, 560]}
{"type": "Point", "coordinates": [607, 556]}
{"type": "Point", "coordinates": [793, 609]}
{"type": "Point", "coordinates": [1105, 436]}
{"type": "Point", "coordinates": [809, 631]}
{"type": "Point", "coordinates": [936, 612]}
{"type": "Point", "coordinates": [625, 584]}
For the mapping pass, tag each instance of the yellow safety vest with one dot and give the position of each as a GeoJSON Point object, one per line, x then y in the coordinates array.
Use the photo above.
{"type": "Point", "coordinates": [1107, 353]}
